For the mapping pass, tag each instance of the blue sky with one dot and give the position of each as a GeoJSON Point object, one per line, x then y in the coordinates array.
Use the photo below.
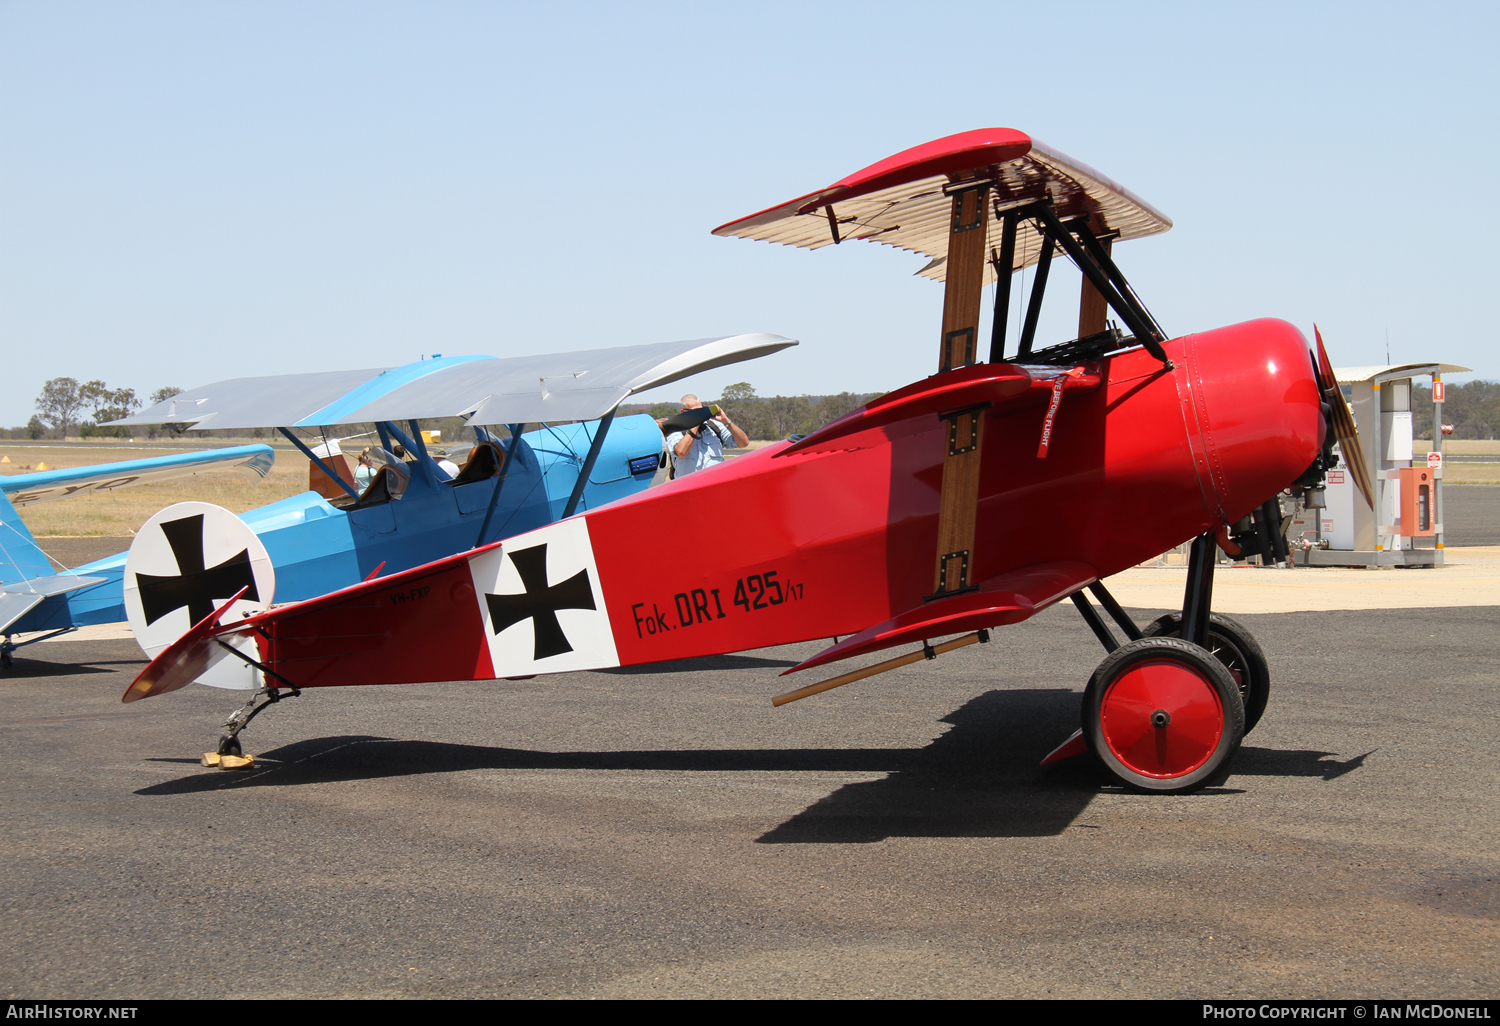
{"type": "Point", "coordinates": [196, 191]}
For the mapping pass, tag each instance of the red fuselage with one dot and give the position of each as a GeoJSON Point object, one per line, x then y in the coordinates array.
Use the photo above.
{"type": "Point", "coordinates": [1145, 462]}
{"type": "Point", "coordinates": [789, 544]}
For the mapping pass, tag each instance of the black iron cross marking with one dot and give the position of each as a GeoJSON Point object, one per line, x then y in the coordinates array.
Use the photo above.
{"type": "Point", "coordinates": [194, 587]}
{"type": "Point", "coordinates": [540, 603]}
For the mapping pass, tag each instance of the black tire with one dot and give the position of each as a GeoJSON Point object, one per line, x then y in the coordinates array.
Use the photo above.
{"type": "Point", "coordinates": [1237, 649]}
{"type": "Point", "coordinates": [229, 745]}
{"type": "Point", "coordinates": [1137, 693]}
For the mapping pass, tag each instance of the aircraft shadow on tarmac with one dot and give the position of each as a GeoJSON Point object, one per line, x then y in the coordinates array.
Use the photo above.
{"type": "Point", "coordinates": [1274, 762]}
{"type": "Point", "coordinates": [982, 778]}
{"type": "Point", "coordinates": [718, 662]}
{"type": "Point", "coordinates": [36, 668]}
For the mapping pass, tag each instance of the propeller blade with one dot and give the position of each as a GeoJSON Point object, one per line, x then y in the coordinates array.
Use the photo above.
{"type": "Point", "coordinates": [1343, 424]}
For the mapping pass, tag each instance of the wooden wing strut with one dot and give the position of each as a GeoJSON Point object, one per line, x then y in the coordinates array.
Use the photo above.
{"type": "Point", "coordinates": [958, 506]}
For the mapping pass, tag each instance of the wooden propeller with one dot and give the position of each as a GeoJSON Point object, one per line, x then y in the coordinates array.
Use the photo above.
{"type": "Point", "coordinates": [1343, 423]}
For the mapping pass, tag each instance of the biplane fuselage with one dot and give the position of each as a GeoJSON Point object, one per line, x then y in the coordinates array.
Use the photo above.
{"type": "Point", "coordinates": [827, 541]}
{"type": "Point", "coordinates": [318, 546]}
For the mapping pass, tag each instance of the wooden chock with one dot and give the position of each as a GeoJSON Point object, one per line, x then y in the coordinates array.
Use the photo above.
{"type": "Point", "coordinates": [210, 759]}
{"type": "Point", "coordinates": [234, 762]}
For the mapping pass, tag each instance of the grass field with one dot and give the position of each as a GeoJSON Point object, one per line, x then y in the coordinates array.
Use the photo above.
{"type": "Point", "coordinates": [1471, 473]}
{"type": "Point", "coordinates": [119, 513]}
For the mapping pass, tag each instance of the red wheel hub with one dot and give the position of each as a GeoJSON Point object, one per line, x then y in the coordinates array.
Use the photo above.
{"type": "Point", "coordinates": [1133, 705]}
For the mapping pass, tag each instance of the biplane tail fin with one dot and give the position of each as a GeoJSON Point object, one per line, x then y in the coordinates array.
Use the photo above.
{"type": "Point", "coordinates": [21, 558]}
{"type": "Point", "coordinates": [190, 657]}
{"type": "Point", "coordinates": [191, 563]}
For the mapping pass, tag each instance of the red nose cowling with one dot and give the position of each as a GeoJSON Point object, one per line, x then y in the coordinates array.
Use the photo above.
{"type": "Point", "coordinates": [1255, 408]}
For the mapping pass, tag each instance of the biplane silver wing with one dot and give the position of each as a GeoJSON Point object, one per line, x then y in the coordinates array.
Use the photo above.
{"type": "Point", "coordinates": [551, 388]}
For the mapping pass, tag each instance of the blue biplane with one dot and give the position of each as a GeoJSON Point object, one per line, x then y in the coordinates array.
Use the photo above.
{"type": "Point", "coordinates": [35, 595]}
{"type": "Point", "coordinates": [411, 512]}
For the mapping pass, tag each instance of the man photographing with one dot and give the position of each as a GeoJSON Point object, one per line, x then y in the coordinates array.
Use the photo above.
{"type": "Point", "coordinates": [703, 446]}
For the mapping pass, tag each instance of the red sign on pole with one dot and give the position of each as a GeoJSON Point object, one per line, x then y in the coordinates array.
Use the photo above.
{"type": "Point", "coordinates": [1434, 459]}
{"type": "Point", "coordinates": [1437, 391]}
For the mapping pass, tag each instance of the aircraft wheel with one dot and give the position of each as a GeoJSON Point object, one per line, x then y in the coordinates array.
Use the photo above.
{"type": "Point", "coordinates": [229, 745]}
{"type": "Point", "coordinates": [1163, 715]}
{"type": "Point", "coordinates": [1235, 647]}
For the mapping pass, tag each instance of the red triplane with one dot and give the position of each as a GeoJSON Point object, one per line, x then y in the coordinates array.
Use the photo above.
{"type": "Point", "coordinates": [965, 501]}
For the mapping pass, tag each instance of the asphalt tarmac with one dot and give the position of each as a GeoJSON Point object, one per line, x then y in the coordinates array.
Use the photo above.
{"type": "Point", "coordinates": [663, 831]}
{"type": "Point", "coordinates": [1471, 514]}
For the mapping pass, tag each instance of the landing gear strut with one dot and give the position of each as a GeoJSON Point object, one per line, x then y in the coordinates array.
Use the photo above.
{"type": "Point", "coordinates": [9, 644]}
{"type": "Point", "coordinates": [1166, 711]}
{"type": "Point", "coordinates": [229, 755]}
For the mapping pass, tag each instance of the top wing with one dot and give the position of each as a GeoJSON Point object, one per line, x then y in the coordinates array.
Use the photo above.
{"type": "Point", "coordinates": [550, 388]}
{"type": "Point", "coordinates": [47, 485]}
{"type": "Point", "coordinates": [901, 201]}
{"type": "Point", "coordinates": [275, 400]}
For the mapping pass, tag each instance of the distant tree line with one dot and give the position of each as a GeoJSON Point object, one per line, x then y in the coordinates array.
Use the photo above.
{"type": "Point", "coordinates": [1473, 409]}
{"type": "Point", "coordinates": [774, 417]}
{"type": "Point", "coordinates": [67, 407]}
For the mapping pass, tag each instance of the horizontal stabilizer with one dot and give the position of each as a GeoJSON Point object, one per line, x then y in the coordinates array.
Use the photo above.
{"type": "Point", "coordinates": [187, 658]}
{"type": "Point", "coordinates": [16, 604]}
{"type": "Point", "coordinates": [1006, 598]}
{"type": "Point", "coordinates": [19, 598]}
{"type": "Point", "coordinates": [999, 384]}
{"type": "Point", "coordinates": [59, 584]}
